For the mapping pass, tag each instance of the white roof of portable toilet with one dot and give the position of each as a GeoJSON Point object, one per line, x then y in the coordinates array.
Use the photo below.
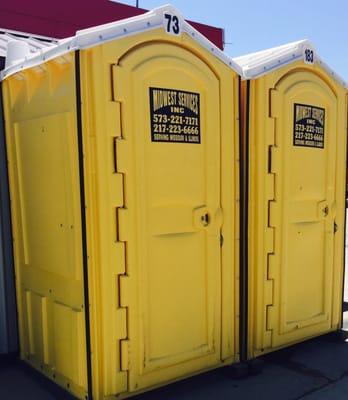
{"type": "Point", "coordinates": [254, 65]}
{"type": "Point", "coordinates": [154, 19]}
{"type": "Point", "coordinates": [35, 43]}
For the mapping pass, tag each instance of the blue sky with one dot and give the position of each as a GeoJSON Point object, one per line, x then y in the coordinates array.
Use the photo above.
{"type": "Point", "coordinates": [255, 25]}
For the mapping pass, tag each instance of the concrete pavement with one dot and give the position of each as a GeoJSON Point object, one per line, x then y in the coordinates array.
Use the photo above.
{"type": "Point", "coordinates": [317, 369]}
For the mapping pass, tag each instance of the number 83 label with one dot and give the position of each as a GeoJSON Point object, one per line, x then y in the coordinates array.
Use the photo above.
{"type": "Point", "coordinates": [309, 56]}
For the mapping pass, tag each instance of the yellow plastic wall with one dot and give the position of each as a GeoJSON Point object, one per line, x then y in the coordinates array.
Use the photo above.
{"type": "Point", "coordinates": [41, 138]}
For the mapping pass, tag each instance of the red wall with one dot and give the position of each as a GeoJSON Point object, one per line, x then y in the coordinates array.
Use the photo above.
{"type": "Point", "coordinates": [62, 18]}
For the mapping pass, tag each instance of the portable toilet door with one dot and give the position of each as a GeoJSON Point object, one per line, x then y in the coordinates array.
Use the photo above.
{"type": "Point", "coordinates": [147, 111]}
{"type": "Point", "coordinates": [294, 190]}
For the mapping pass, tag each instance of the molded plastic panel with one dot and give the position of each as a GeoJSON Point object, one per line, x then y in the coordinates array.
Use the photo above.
{"type": "Point", "coordinates": [162, 192]}
{"type": "Point", "coordinates": [296, 206]}
{"type": "Point", "coordinates": [46, 215]}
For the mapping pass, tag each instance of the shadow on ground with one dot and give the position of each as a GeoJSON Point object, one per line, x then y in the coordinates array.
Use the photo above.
{"type": "Point", "coordinates": [317, 369]}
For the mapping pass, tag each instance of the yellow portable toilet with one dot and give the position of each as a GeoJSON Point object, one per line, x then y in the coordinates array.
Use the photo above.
{"type": "Point", "coordinates": [123, 163]}
{"type": "Point", "coordinates": [294, 152]}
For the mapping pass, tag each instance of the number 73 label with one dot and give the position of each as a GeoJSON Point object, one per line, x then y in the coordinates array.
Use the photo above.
{"type": "Point", "coordinates": [171, 24]}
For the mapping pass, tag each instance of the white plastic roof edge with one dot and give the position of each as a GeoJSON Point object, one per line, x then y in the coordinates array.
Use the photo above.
{"type": "Point", "coordinates": [28, 35]}
{"type": "Point", "coordinates": [90, 37]}
{"type": "Point", "coordinates": [255, 65]}
{"type": "Point", "coordinates": [33, 42]}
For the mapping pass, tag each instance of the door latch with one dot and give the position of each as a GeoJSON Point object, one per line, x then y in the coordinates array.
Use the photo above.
{"type": "Point", "coordinates": [205, 219]}
{"type": "Point", "coordinates": [326, 211]}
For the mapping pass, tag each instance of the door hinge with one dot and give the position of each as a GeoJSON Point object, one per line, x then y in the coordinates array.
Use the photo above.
{"type": "Point", "coordinates": [268, 292]}
{"type": "Point", "coordinates": [113, 119]}
{"type": "Point", "coordinates": [274, 159]}
{"type": "Point", "coordinates": [117, 200]}
{"type": "Point", "coordinates": [124, 290]}
{"type": "Point", "coordinates": [271, 168]}
{"type": "Point", "coordinates": [124, 350]}
{"type": "Point", "coordinates": [274, 103]}
{"type": "Point", "coordinates": [119, 83]}
{"type": "Point", "coordinates": [270, 317]}
{"type": "Point", "coordinates": [121, 323]}
{"type": "Point", "coordinates": [122, 332]}
{"type": "Point", "coordinates": [335, 227]}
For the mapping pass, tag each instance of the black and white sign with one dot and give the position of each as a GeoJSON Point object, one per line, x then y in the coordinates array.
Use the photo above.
{"type": "Point", "coordinates": [309, 56]}
{"type": "Point", "coordinates": [174, 116]}
{"type": "Point", "coordinates": [309, 126]}
{"type": "Point", "coordinates": [172, 24]}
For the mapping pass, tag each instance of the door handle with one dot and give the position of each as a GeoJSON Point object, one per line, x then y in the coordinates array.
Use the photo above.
{"type": "Point", "coordinates": [205, 219]}
{"type": "Point", "coordinates": [202, 217]}
{"type": "Point", "coordinates": [325, 211]}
